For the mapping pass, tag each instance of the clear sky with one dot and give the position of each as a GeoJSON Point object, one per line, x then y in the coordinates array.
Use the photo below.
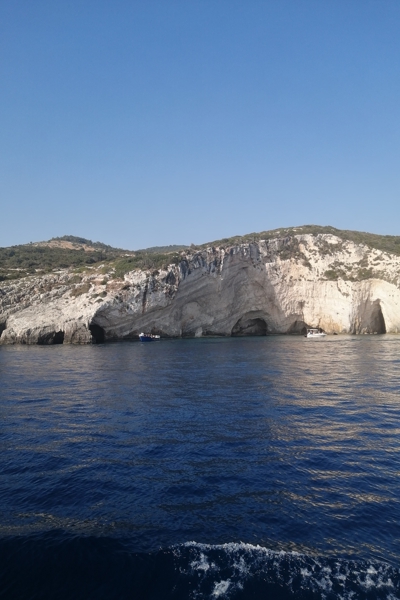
{"type": "Point", "coordinates": [153, 122]}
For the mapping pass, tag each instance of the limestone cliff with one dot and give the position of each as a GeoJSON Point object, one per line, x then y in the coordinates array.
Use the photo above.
{"type": "Point", "coordinates": [279, 285]}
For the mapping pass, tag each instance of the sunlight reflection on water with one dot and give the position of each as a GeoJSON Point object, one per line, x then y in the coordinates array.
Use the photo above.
{"type": "Point", "coordinates": [279, 440]}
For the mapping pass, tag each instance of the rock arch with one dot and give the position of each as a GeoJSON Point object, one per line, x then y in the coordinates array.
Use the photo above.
{"type": "Point", "coordinates": [250, 324]}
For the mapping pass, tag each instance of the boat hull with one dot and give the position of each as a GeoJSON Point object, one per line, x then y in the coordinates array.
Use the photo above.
{"type": "Point", "coordinates": [315, 333]}
{"type": "Point", "coordinates": [147, 337]}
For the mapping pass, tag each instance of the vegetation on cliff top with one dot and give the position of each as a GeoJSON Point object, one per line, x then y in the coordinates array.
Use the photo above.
{"type": "Point", "coordinates": [19, 261]}
{"type": "Point", "coordinates": [45, 257]}
{"type": "Point", "coordinates": [80, 241]}
{"type": "Point", "coordinates": [143, 261]}
{"type": "Point", "coordinates": [386, 243]}
{"type": "Point", "coordinates": [77, 252]}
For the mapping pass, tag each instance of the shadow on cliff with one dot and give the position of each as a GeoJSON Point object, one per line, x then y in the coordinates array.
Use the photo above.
{"type": "Point", "coordinates": [249, 326]}
{"type": "Point", "coordinates": [98, 333]}
{"type": "Point", "coordinates": [369, 318]}
{"type": "Point", "coordinates": [52, 337]}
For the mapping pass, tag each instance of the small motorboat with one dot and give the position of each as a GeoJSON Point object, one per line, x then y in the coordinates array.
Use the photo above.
{"type": "Point", "coordinates": [148, 337]}
{"type": "Point", "coordinates": [315, 333]}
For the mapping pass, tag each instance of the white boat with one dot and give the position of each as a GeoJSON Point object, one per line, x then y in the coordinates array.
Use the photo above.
{"type": "Point", "coordinates": [315, 333]}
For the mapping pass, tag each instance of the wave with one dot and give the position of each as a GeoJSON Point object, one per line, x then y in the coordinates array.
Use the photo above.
{"type": "Point", "coordinates": [238, 570]}
{"type": "Point", "coordinates": [57, 565]}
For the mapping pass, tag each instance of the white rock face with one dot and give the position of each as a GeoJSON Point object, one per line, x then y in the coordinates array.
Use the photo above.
{"type": "Point", "coordinates": [276, 286]}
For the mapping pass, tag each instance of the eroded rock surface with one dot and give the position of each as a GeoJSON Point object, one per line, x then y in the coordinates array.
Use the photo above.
{"type": "Point", "coordinates": [277, 286]}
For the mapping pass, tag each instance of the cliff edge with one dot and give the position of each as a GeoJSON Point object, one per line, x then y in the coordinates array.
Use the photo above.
{"type": "Point", "coordinates": [282, 284]}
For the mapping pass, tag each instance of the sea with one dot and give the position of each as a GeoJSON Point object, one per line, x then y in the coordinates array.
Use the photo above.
{"type": "Point", "coordinates": [193, 469]}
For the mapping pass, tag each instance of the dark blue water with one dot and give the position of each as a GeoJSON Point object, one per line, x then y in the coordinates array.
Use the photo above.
{"type": "Point", "coordinates": [191, 469]}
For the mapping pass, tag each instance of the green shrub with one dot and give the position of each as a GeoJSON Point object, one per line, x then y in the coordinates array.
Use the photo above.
{"type": "Point", "coordinates": [364, 274]}
{"type": "Point", "coordinates": [81, 289]}
{"type": "Point", "coordinates": [75, 279]}
{"type": "Point", "coordinates": [331, 275]}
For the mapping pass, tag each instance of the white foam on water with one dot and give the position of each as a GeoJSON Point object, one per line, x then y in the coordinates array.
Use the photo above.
{"type": "Point", "coordinates": [241, 566]}
{"type": "Point", "coordinates": [201, 564]}
{"type": "Point", "coordinates": [221, 588]}
{"type": "Point", "coordinates": [235, 564]}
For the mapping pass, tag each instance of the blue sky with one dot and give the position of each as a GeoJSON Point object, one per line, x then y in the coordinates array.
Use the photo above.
{"type": "Point", "coordinates": [141, 123]}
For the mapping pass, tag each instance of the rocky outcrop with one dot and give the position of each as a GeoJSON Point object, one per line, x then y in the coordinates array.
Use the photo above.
{"type": "Point", "coordinates": [275, 286]}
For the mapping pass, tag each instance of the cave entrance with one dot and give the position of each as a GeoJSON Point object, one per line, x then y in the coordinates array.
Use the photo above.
{"type": "Point", "coordinates": [248, 326]}
{"type": "Point", "coordinates": [54, 337]}
{"type": "Point", "coordinates": [378, 324]}
{"type": "Point", "coordinates": [58, 337]}
{"type": "Point", "coordinates": [98, 333]}
{"type": "Point", "coordinates": [3, 326]}
{"type": "Point", "coordinates": [298, 328]}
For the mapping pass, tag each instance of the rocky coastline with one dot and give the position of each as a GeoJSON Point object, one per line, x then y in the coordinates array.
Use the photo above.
{"type": "Point", "coordinates": [274, 286]}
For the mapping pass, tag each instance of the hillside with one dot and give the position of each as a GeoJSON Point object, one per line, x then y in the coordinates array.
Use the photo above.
{"type": "Point", "coordinates": [81, 254]}
{"type": "Point", "coordinates": [386, 243]}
